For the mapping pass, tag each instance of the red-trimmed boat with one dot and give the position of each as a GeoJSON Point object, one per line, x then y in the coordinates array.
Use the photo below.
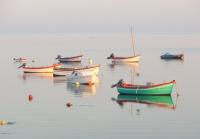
{"type": "Point", "coordinates": [148, 89]}
{"type": "Point", "coordinates": [43, 69]}
{"type": "Point", "coordinates": [69, 59]}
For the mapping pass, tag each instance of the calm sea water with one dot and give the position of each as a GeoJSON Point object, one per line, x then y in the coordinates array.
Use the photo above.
{"type": "Point", "coordinates": [96, 111]}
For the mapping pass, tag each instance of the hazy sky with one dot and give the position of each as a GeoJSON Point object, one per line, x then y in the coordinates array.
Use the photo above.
{"type": "Point", "coordinates": [80, 16]}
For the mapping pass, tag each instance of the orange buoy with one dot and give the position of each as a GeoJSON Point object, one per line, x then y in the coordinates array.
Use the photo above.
{"type": "Point", "coordinates": [30, 98]}
{"type": "Point", "coordinates": [90, 83]}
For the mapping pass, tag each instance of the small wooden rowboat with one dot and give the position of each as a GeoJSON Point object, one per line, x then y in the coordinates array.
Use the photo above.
{"type": "Point", "coordinates": [157, 101]}
{"type": "Point", "coordinates": [66, 71]}
{"type": "Point", "coordinates": [69, 59]}
{"type": "Point", "coordinates": [45, 69]}
{"type": "Point", "coordinates": [129, 59]}
{"type": "Point", "coordinates": [149, 89]}
{"type": "Point", "coordinates": [85, 78]}
{"type": "Point", "coordinates": [171, 56]}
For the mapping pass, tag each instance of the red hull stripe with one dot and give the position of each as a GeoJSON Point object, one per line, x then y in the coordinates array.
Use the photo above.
{"type": "Point", "coordinates": [125, 85]}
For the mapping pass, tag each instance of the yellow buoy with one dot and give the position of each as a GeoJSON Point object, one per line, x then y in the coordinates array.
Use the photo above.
{"type": "Point", "coordinates": [77, 83]}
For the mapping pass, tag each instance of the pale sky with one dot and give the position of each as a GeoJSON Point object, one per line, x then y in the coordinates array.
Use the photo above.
{"type": "Point", "coordinates": [85, 16]}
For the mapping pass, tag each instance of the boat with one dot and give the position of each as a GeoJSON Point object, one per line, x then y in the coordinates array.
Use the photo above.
{"type": "Point", "coordinates": [81, 78]}
{"type": "Point", "coordinates": [69, 59]}
{"type": "Point", "coordinates": [41, 69]}
{"type": "Point", "coordinates": [148, 89]}
{"type": "Point", "coordinates": [20, 60]}
{"type": "Point", "coordinates": [127, 59]}
{"type": "Point", "coordinates": [169, 56]}
{"type": "Point", "coordinates": [66, 71]}
{"type": "Point", "coordinates": [155, 101]}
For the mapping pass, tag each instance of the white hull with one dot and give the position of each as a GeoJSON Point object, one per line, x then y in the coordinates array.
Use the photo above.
{"type": "Point", "coordinates": [43, 70]}
{"type": "Point", "coordinates": [126, 60]}
{"type": "Point", "coordinates": [60, 72]}
{"type": "Point", "coordinates": [81, 79]}
{"type": "Point", "coordinates": [47, 69]}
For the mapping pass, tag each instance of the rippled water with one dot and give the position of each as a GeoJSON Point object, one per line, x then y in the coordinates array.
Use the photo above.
{"type": "Point", "coordinates": [98, 111]}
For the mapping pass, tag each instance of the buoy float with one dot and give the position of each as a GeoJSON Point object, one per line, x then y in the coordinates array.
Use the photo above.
{"type": "Point", "coordinates": [90, 83]}
{"type": "Point", "coordinates": [30, 98]}
{"type": "Point", "coordinates": [77, 83]}
{"type": "Point", "coordinates": [69, 104]}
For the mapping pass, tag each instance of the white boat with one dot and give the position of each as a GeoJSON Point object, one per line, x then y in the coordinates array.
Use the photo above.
{"type": "Point", "coordinates": [126, 59]}
{"type": "Point", "coordinates": [66, 71]}
{"type": "Point", "coordinates": [42, 69]}
{"type": "Point", "coordinates": [69, 59]}
{"type": "Point", "coordinates": [77, 77]}
{"type": "Point", "coordinates": [129, 59]}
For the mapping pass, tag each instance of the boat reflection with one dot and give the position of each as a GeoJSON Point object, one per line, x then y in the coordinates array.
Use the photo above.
{"type": "Point", "coordinates": [26, 76]}
{"type": "Point", "coordinates": [59, 79]}
{"type": "Point", "coordinates": [165, 102]}
{"type": "Point", "coordinates": [131, 65]}
{"type": "Point", "coordinates": [82, 90]}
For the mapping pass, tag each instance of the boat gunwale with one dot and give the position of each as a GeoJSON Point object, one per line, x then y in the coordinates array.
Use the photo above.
{"type": "Point", "coordinates": [125, 57]}
{"type": "Point", "coordinates": [67, 58]}
{"type": "Point", "coordinates": [131, 86]}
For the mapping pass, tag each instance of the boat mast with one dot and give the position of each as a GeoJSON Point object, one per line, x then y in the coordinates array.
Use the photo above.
{"type": "Point", "coordinates": [132, 40]}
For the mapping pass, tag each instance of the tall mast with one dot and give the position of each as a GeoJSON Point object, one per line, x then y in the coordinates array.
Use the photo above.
{"type": "Point", "coordinates": [132, 40]}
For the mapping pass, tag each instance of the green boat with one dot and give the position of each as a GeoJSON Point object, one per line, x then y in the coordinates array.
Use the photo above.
{"type": "Point", "coordinates": [159, 101]}
{"type": "Point", "coordinates": [148, 89]}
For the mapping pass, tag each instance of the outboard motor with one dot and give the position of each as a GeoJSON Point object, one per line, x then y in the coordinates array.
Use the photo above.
{"type": "Point", "coordinates": [59, 56]}
{"type": "Point", "coordinates": [120, 82]}
{"type": "Point", "coordinates": [23, 65]}
{"type": "Point", "coordinates": [111, 56]}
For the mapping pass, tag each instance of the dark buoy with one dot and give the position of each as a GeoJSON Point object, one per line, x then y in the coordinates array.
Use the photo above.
{"type": "Point", "coordinates": [69, 104]}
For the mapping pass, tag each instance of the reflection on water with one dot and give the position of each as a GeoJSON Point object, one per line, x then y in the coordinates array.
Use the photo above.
{"type": "Point", "coordinates": [131, 65]}
{"type": "Point", "coordinates": [26, 76]}
{"type": "Point", "coordinates": [59, 79]}
{"type": "Point", "coordinates": [82, 90]}
{"type": "Point", "coordinates": [165, 102]}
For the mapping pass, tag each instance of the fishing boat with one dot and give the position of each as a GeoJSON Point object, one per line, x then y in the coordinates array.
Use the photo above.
{"type": "Point", "coordinates": [127, 59]}
{"type": "Point", "coordinates": [42, 69]}
{"type": "Point", "coordinates": [94, 69]}
{"type": "Point", "coordinates": [148, 89]}
{"type": "Point", "coordinates": [69, 59]}
{"type": "Point", "coordinates": [169, 56]}
{"type": "Point", "coordinates": [84, 78]}
{"type": "Point", "coordinates": [155, 101]}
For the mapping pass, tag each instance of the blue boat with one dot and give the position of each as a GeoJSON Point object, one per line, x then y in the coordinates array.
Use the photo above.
{"type": "Point", "coordinates": [172, 56]}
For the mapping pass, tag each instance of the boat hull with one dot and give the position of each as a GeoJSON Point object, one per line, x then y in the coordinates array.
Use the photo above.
{"type": "Point", "coordinates": [48, 69]}
{"type": "Point", "coordinates": [71, 59]}
{"type": "Point", "coordinates": [170, 56]}
{"type": "Point", "coordinates": [126, 59]}
{"type": "Point", "coordinates": [66, 71]}
{"type": "Point", "coordinates": [165, 89]}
